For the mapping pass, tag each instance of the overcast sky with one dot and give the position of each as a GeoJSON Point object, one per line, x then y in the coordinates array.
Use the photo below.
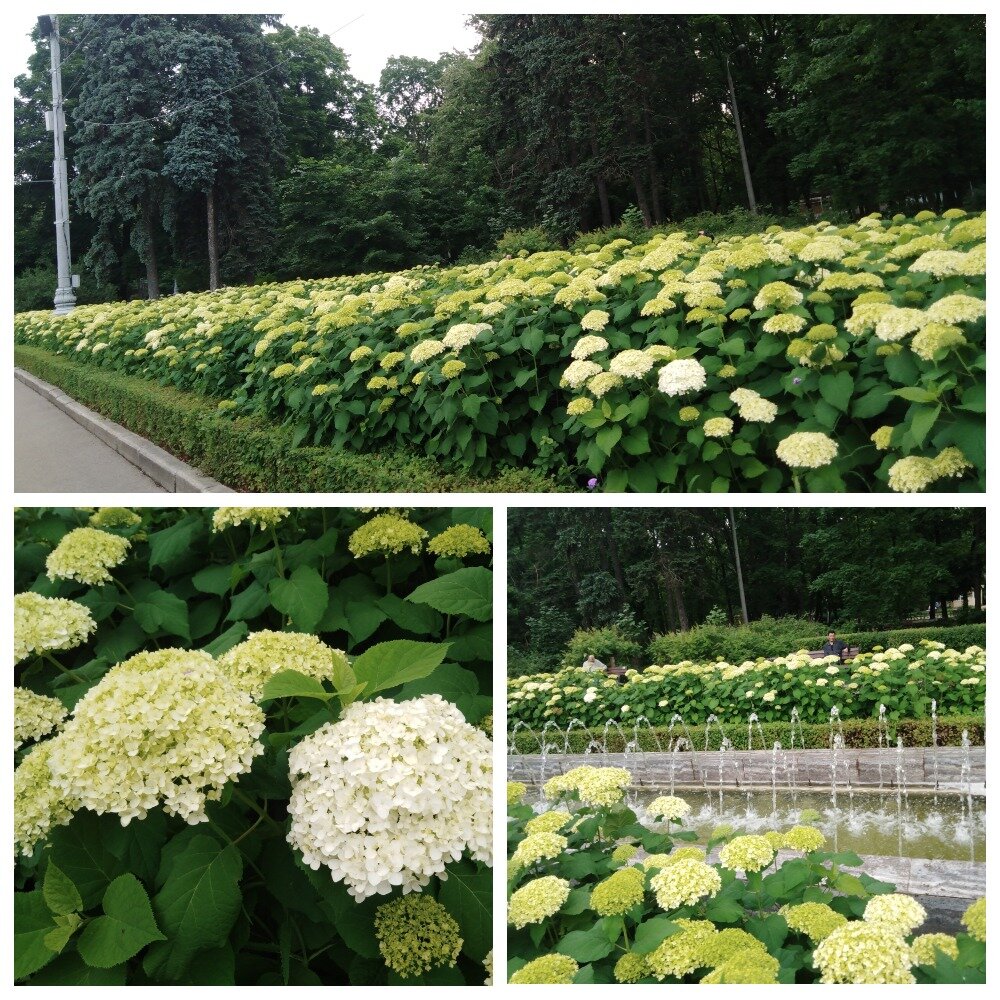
{"type": "Point", "coordinates": [418, 30]}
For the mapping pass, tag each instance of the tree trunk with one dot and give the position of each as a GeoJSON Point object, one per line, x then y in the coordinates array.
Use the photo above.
{"type": "Point", "coordinates": [152, 271]}
{"type": "Point", "coordinates": [977, 597]}
{"type": "Point", "coordinates": [213, 246]}
{"type": "Point", "coordinates": [654, 174]}
{"type": "Point", "coordinates": [944, 612]}
{"type": "Point", "coordinates": [640, 195]}
{"type": "Point", "coordinates": [616, 562]}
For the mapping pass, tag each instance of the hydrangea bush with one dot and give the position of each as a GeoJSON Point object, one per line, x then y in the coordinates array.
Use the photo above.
{"type": "Point", "coordinates": [904, 679]}
{"type": "Point", "coordinates": [826, 358]}
{"type": "Point", "coordinates": [627, 898]}
{"type": "Point", "coordinates": [252, 746]}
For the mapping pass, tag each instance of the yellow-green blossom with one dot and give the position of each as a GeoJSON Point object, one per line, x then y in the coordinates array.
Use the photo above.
{"type": "Point", "coordinates": [459, 541]}
{"type": "Point", "coordinates": [618, 893]}
{"type": "Point", "coordinates": [263, 518]}
{"type": "Point", "coordinates": [549, 969]}
{"type": "Point", "coordinates": [536, 900]}
{"type": "Point", "coordinates": [87, 555]}
{"type": "Point", "coordinates": [35, 716]}
{"type": "Point", "coordinates": [44, 624]}
{"type": "Point", "coordinates": [974, 919]}
{"type": "Point", "coordinates": [389, 534]}
{"type": "Point", "coordinates": [415, 934]}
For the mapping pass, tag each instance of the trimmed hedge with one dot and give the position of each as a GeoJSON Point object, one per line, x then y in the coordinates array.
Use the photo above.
{"type": "Point", "coordinates": [249, 455]}
{"type": "Point", "coordinates": [859, 734]}
{"type": "Point", "coordinates": [736, 644]}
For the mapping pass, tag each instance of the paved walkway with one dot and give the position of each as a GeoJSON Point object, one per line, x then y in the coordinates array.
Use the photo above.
{"type": "Point", "coordinates": [54, 454]}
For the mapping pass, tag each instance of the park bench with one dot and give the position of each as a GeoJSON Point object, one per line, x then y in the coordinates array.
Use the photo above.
{"type": "Point", "coordinates": [849, 653]}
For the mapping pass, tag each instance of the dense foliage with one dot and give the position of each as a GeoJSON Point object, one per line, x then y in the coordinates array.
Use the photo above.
{"type": "Point", "coordinates": [585, 906]}
{"type": "Point", "coordinates": [570, 122]}
{"type": "Point", "coordinates": [188, 681]}
{"type": "Point", "coordinates": [671, 365]}
{"type": "Point", "coordinates": [905, 680]}
{"type": "Point", "coordinates": [669, 576]}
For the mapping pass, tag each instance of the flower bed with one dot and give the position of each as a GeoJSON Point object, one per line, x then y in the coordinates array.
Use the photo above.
{"type": "Point", "coordinates": [904, 679]}
{"type": "Point", "coordinates": [585, 906]}
{"type": "Point", "coordinates": [252, 746]}
{"type": "Point", "coordinates": [824, 358]}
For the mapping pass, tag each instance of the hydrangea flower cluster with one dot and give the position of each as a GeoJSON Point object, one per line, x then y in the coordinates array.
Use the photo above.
{"type": "Point", "coordinates": [749, 965]}
{"type": "Point", "coordinates": [631, 967]}
{"type": "Point", "coordinates": [415, 934]}
{"type": "Point", "coordinates": [389, 534]}
{"type": "Point", "coordinates": [537, 847]}
{"type": "Point", "coordinates": [44, 624]}
{"type": "Point", "coordinates": [596, 786]}
{"type": "Point", "coordinates": [861, 952]}
{"type": "Point", "coordinates": [618, 893]}
{"type": "Point", "coordinates": [684, 882]}
{"type": "Point", "coordinates": [252, 663]}
{"type": "Point", "coordinates": [547, 970]}
{"type": "Point", "coordinates": [680, 954]}
{"type": "Point", "coordinates": [668, 807]}
{"type": "Point", "coordinates": [515, 792]}
{"type": "Point", "coordinates": [548, 822]}
{"type": "Point", "coordinates": [926, 947]}
{"type": "Point", "coordinates": [39, 806]}
{"type": "Point", "coordinates": [114, 517]}
{"type": "Point", "coordinates": [807, 450]}
{"type": "Point", "coordinates": [804, 838]}
{"type": "Point", "coordinates": [749, 853]}
{"type": "Point", "coordinates": [895, 911]}
{"type": "Point", "coordinates": [536, 900]}
{"type": "Point", "coordinates": [263, 518]}
{"type": "Point", "coordinates": [86, 555]}
{"type": "Point", "coordinates": [391, 793]}
{"type": "Point", "coordinates": [815, 920]}
{"type": "Point", "coordinates": [459, 541]}
{"type": "Point", "coordinates": [170, 735]}
{"type": "Point", "coordinates": [35, 716]}
{"type": "Point", "coordinates": [681, 377]}
{"type": "Point", "coordinates": [974, 919]}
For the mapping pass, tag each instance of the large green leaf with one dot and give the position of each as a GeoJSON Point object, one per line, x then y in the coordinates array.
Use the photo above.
{"type": "Point", "coordinates": [249, 603]}
{"type": "Point", "coordinates": [608, 437]}
{"type": "Point", "coordinates": [174, 544]}
{"type": "Point", "coordinates": [467, 591]}
{"type": "Point", "coordinates": [226, 640]}
{"type": "Point", "coordinates": [586, 946]}
{"type": "Point", "coordinates": [166, 611]}
{"type": "Point", "coordinates": [650, 933]}
{"type": "Point", "coordinates": [197, 906]}
{"type": "Point", "coordinates": [81, 850]}
{"type": "Point", "coordinates": [452, 682]}
{"type": "Point", "coordinates": [389, 664]}
{"type": "Point", "coordinates": [217, 580]}
{"type": "Point", "coordinates": [125, 929]}
{"type": "Point", "coordinates": [32, 922]}
{"type": "Point", "coordinates": [303, 597]}
{"type": "Point", "coordinates": [71, 970]}
{"type": "Point", "coordinates": [292, 684]}
{"type": "Point", "coordinates": [420, 619]}
{"type": "Point", "coordinates": [467, 894]}
{"type": "Point", "coordinates": [61, 895]}
{"type": "Point", "coordinates": [363, 618]}
{"type": "Point", "coordinates": [837, 389]}
{"type": "Point", "coordinates": [472, 641]}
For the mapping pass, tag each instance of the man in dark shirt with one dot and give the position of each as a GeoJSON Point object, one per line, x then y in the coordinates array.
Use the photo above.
{"type": "Point", "coordinates": [834, 646]}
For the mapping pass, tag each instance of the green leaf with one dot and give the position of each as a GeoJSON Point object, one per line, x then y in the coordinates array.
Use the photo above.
{"type": "Point", "coordinates": [217, 580]}
{"type": "Point", "coordinates": [724, 911]}
{"type": "Point", "coordinates": [166, 611]}
{"type": "Point", "coordinates": [249, 603]}
{"type": "Point", "coordinates": [974, 398]}
{"type": "Point", "coordinates": [467, 591]}
{"type": "Point", "coordinates": [197, 906]}
{"type": "Point", "coordinates": [452, 682]}
{"type": "Point", "coordinates": [586, 946]}
{"type": "Point", "coordinates": [70, 970]}
{"type": "Point", "coordinates": [226, 640]}
{"type": "Point", "coordinates": [650, 933]}
{"type": "Point", "coordinates": [125, 929]}
{"type": "Point", "coordinates": [922, 421]}
{"type": "Point", "coordinates": [417, 618]}
{"type": "Point", "coordinates": [389, 664]}
{"type": "Point", "coordinates": [467, 894]}
{"type": "Point", "coordinates": [174, 544]}
{"type": "Point", "coordinates": [32, 922]}
{"type": "Point", "coordinates": [303, 597]}
{"type": "Point", "coordinates": [608, 437]}
{"type": "Point", "coordinates": [915, 394]}
{"type": "Point", "coordinates": [772, 930]}
{"type": "Point", "coordinates": [363, 618]}
{"type": "Point", "coordinates": [837, 389]}
{"type": "Point", "coordinates": [577, 902]}
{"type": "Point", "coordinates": [66, 926]}
{"type": "Point", "coordinates": [637, 441]}
{"type": "Point", "coordinates": [473, 642]}
{"type": "Point", "coordinates": [292, 684]}
{"type": "Point", "coordinates": [872, 403]}
{"type": "Point", "coordinates": [642, 478]}
{"type": "Point", "coordinates": [80, 850]}
{"type": "Point", "coordinates": [61, 895]}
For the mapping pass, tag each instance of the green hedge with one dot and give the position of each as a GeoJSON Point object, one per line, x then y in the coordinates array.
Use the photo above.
{"type": "Point", "coordinates": [859, 734]}
{"type": "Point", "coordinates": [604, 643]}
{"type": "Point", "coordinates": [736, 644]}
{"type": "Point", "coordinates": [247, 454]}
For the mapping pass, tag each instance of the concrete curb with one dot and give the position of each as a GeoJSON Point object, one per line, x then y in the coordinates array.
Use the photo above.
{"type": "Point", "coordinates": [167, 471]}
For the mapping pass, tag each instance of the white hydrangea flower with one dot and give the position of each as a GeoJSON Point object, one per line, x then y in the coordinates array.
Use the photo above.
{"type": "Point", "coordinates": [391, 793]}
{"type": "Point", "coordinates": [682, 376]}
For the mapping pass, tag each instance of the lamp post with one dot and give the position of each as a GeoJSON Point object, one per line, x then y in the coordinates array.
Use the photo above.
{"type": "Point", "coordinates": [739, 135]}
{"type": "Point", "coordinates": [739, 568]}
{"type": "Point", "coordinates": [65, 299]}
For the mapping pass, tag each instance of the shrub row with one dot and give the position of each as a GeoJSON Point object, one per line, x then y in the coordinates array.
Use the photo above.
{"type": "Point", "coordinates": [736, 644]}
{"type": "Point", "coordinates": [247, 454]}
{"type": "Point", "coordinates": [859, 734]}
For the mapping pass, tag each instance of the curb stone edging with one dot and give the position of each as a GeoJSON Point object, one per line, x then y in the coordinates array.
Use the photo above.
{"type": "Point", "coordinates": [166, 470]}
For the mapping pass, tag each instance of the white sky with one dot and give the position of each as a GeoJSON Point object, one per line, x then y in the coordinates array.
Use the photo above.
{"type": "Point", "coordinates": [416, 30]}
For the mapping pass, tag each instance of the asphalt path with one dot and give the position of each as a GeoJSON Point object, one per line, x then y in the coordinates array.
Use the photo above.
{"type": "Point", "coordinates": [54, 454]}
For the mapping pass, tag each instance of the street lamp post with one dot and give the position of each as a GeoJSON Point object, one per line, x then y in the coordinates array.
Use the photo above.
{"type": "Point", "coordinates": [65, 299]}
{"type": "Point", "coordinates": [739, 135]}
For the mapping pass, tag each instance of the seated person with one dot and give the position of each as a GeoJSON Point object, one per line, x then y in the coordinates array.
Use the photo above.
{"type": "Point", "coordinates": [592, 663]}
{"type": "Point", "coordinates": [834, 646]}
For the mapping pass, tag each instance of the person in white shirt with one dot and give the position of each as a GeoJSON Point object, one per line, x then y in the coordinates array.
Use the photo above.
{"type": "Point", "coordinates": [592, 663]}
